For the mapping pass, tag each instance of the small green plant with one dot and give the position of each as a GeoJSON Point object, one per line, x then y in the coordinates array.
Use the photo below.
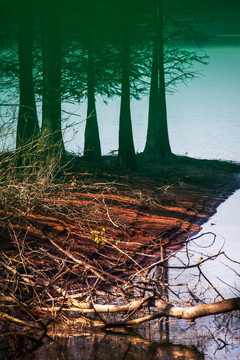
{"type": "Point", "coordinates": [98, 237]}
{"type": "Point", "coordinates": [179, 222]}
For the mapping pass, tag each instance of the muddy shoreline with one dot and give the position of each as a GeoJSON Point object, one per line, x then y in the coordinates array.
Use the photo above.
{"type": "Point", "coordinates": [99, 238]}
{"type": "Point", "coordinates": [144, 213]}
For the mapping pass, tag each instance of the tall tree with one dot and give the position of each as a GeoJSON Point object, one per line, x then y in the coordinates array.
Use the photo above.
{"type": "Point", "coordinates": [92, 148]}
{"type": "Point", "coordinates": [126, 152]}
{"type": "Point", "coordinates": [128, 22]}
{"type": "Point", "coordinates": [27, 125]}
{"type": "Point", "coordinates": [157, 142]}
{"type": "Point", "coordinates": [52, 56]}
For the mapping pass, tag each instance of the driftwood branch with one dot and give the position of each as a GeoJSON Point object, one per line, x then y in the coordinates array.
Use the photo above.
{"type": "Point", "coordinates": [190, 313]}
{"type": "Point", "coordinates": [164, 309]}
{"type": "Point", "coordinates": [13, 319]}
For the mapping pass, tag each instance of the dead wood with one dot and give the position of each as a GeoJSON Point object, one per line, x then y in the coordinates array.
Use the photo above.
{"type": "Point", "coordinates": [12, 319]}
{"type": "Point", "coordinates": [164, 310]}
{"type": "Point", "coordinates": [32, 288]}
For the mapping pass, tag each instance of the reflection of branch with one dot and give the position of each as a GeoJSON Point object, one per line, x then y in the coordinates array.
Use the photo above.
{"type": "Point", "coordinates": [234, 261]}
{"type": "Point", "coordinates": [230, 286]}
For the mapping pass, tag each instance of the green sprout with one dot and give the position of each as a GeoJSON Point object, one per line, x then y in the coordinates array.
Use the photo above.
{"type": "Point", "coordinates": [179, 222]}
{"type": "Point", "coordinates": [98, 236]}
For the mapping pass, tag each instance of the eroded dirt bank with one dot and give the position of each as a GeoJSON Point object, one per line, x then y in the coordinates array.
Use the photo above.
{"type": "Point", "coordinates": [100, 216]}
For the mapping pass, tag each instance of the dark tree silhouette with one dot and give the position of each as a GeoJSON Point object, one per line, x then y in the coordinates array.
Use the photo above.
{"type": "Point", "coordinates": [52, 55]}
{"type": "Point", "coordinates": [129, 34]}
{"type": "Point", "coordinates": [27, 126]}
{"type": "Point", "coordinates": [126, 152]}
{"type": "Point", "coordinates": [106, 53]}
{"type": "Point", "coordinates": [157, 142]}
{"type": "Point", "coordinates": [93, 25]}
{"type": "Point", "coordinates": [92, 148]}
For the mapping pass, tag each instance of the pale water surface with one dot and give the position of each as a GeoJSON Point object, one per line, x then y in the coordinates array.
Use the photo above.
{"type": "Point", "coordinates": [219, 234]}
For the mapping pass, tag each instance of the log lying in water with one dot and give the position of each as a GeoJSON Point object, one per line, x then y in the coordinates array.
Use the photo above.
{"type": "Point", "coordinates": [164, 309]}
{"type": "Point", "coordinates": [190, 313]}
{"type": "Point", "coordinates": [197, 311]}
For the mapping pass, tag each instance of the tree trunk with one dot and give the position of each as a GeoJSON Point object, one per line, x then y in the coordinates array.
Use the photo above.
{"type": "Point", "coordinates": [52, 53]}
{"type": "Point", "coordinates": [126, 152]}
{"type": "Point", "coordinates": [164, 145]}
{"type": "Point", "coordinates": [153, 111]}
{"type": "Point", "coordinates": [27, 126]}
{"type": "Point", "coordinates": [157, 142]}
{"type": "Point", "coordinates": [92, 147]}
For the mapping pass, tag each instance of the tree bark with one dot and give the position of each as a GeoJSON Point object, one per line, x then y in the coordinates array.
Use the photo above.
{"type": "Point", "coordinates": [157, 142]}
{"type": "Point", "coordinates": [52, 54]}
{"type": "Point", "coordinates": [126, 152]}
{"type": "Point", "coordinates": [92, 147]}
{"type": "Point", "coordinates": [27, 126]}
{"type": "Point", "coordinates": [194, 312]}
{"type": "Point", "coordinates": [152, 137]}
{"type": "Point", "coordinates": [190, 313]}
{"type": "Point", "coordinates": [164, 145]}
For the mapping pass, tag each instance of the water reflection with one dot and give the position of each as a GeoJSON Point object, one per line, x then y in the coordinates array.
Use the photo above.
{"type": "Point", "coordinates": [162, 274]}
{"type": "Point", "coordinates": [161, 339]}
{"type": "Point", "coordinates": [146, 341]}
{"type": "Point", "coordinates": [111, 346]}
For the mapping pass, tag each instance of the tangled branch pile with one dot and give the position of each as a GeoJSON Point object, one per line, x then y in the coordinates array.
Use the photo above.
{"type": "Point", "coordinates": [51, 282]}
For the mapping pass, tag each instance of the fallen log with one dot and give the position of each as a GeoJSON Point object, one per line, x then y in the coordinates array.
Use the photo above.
{"type": "Point", "coordinates": [91, 308]}
{"type": "Point", "coordinates": [164, 309]}
{"type": "Point", "coordinates": [190, 313]}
